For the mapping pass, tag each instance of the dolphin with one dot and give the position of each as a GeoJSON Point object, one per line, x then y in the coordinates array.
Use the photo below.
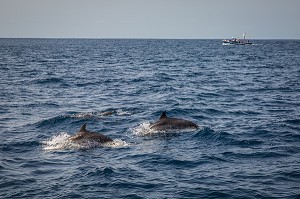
{"type": "Point", "coordinates": [107, 113]}
{"type": "Point", "coordinates": [93, 114]}
{"type": "Point", "coordinates": [167, 123]}
{"type": "Point", "coordinates": [85, 135]}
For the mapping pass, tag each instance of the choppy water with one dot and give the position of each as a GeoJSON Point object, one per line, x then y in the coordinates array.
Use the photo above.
{"type": "Point", "coordinates": [245, 98]}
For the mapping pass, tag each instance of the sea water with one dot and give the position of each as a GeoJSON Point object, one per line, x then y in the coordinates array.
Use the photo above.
{"type": "Point", "coordinates": [246, 100]}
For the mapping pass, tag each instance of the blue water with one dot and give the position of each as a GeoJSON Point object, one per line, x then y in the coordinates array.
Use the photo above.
{"type": "Point", "coordinates": [245, 98]}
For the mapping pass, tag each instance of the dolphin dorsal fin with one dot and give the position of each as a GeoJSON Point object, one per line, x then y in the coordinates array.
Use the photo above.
{"type": "Point", "coordinates": [163, 115]}
{"type": "Point", "coordinates": [83, 128]}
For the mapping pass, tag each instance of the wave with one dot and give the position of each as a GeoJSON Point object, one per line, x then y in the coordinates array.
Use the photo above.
{"type": "Point", "coordinates": [254, 154]}
{"type": "Point", "coordinates": [223, 138]}
{"type": "Point", "coordinates": [54, 120]}
{"type": "Point", "coordinates": [19, 146]}
{"type": "Point", "coordinates": [99, 172]}
{"type": "Point", "coordinates": [81, 115]}
{"type": "Point", "coordinates": [293, 121]}
{"type": "Point", "coordinates": [51, 80]}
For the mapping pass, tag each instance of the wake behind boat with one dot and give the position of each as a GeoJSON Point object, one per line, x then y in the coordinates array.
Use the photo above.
{"type": "Point", "coordinates": [236, 41]}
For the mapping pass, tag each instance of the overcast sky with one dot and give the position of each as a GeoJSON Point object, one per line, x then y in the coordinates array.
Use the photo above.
{"type": "Point", "coordinates": [182, 19]}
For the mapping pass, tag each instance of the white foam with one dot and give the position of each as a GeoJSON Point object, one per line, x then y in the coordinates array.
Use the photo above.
{"type": "Point", "coordinates": [83, 115]}
{"type": "Point", "coordinates": [143, 129]}
{"type": "Point", "coordinates": [116, 143]}
{"type": "Point", "coordinates": [60, 141]}
{"type": "Point", "coordinates": [121, 112]}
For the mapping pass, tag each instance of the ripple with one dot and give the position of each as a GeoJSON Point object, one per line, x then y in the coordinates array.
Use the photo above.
{"type": "Point", "coordinates": [99, 172]}
{"type": "Point", "coordinates": [51, 80]}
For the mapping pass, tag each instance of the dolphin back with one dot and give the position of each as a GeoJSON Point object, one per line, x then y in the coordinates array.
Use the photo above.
{"type": "Point", "coordinates": [166, 123]}
{"type": "Point", "coordinates": [84, 135]}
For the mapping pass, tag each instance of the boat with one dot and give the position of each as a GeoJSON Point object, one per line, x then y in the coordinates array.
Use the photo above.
{"type": "Point", "coordinates": [236, 41]}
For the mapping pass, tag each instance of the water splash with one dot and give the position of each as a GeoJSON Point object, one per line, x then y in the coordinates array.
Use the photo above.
{"type": "Point", "coordinates": [121, 112]}
{"type": "Point", "coordinates": [60, 141]}
{"type": "Point", "coordinates": [143, 129]}
{"type": "Point", "coordinates": [116, 144]}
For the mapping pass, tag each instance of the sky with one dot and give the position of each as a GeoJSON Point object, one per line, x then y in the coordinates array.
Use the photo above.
{"type": "Point", "coordinates": [165, 19]}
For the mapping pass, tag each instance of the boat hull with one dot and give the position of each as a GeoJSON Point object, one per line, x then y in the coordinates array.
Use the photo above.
{"type": "Point", "coordinates": [234, 43]}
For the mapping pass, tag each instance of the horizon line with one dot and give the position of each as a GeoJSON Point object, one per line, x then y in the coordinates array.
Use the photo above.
{"type": "Point", "coordinates": [137, 38]}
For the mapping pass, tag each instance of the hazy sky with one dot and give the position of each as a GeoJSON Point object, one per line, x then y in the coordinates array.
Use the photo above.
{"type": "Point", "coordinates": [190, 19]}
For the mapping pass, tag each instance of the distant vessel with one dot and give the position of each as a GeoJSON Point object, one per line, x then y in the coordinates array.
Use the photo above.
{"type": "Point", "coordinates": [236, 41]}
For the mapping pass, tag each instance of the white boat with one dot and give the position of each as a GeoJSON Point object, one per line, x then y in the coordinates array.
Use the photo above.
{"type": "Point", "coordinates": [236, 41]}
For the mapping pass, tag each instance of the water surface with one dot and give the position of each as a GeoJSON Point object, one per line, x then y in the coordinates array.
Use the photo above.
{"type": "Point", "coordinates": [245, 98]}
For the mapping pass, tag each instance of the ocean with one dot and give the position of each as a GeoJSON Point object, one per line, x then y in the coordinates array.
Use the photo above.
{"type": "Point", "coordinates": [246, 100]}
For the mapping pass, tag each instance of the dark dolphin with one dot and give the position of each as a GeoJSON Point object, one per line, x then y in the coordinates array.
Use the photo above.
{"type": "Point", "coordinates": [107, 113]}
{"type": "Point", "coordinates": [93, 114]}
{"type": "Point", "coordinates": [167, 123]}
{"type": "Point", "coordinates": [85, 135]}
